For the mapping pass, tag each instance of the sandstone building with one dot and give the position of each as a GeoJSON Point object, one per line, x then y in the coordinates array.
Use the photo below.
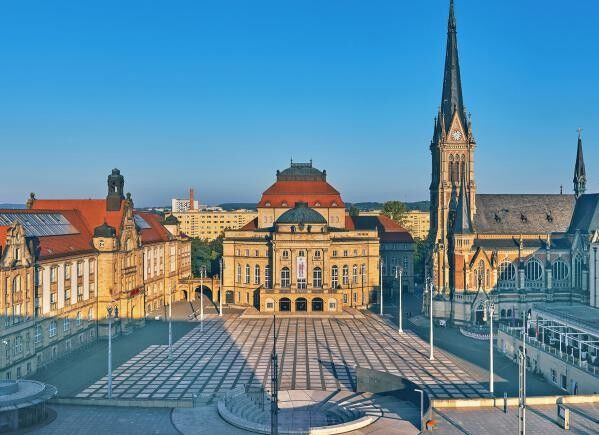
{"type": "Point", "coordinates": [62, 262]}
{"type": "Point", "coordinates": [304, 253]}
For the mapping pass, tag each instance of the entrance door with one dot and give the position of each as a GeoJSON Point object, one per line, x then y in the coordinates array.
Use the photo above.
{"type": "Point", "coordinates": [301, 304]}
{"type": "Point", "coordinates": [317, 304]}
{"type": "Point", "coordinates": [229, 297]}
{"type": "Point", "coordinates": [285, 304]}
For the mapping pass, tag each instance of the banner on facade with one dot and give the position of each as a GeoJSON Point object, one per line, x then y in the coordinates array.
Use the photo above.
{"type": "Point", "coordinates": [301, 268]}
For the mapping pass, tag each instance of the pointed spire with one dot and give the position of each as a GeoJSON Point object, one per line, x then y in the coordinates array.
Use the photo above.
{"type": "Point", "coordinates": [580, 177]}
{"type": "Point", "coordinates": [462, 223]}
{"type": "Point", "coordinates": [452, 84]}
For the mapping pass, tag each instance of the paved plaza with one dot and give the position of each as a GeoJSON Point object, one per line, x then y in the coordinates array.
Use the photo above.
{"type": "Point", "coordinates": [314, 353]}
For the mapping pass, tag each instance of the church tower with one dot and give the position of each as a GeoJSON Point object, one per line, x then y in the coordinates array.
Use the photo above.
{"type": "Point", "coordinates": [580, 176]}
{"type": "Point", "coordinates": [452, 150]}
{"type": "Point", "coordinates": [116, 184]}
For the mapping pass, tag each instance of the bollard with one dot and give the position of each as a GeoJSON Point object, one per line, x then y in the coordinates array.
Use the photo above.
{"type": "Point", "coordinates": [505, 403]}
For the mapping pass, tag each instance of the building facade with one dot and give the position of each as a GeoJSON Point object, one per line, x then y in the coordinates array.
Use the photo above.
{"type": "Point", "coordinates": [304, 253]}
{"type": "Point", "coordinates": [514, 249]}
{"type": "Point", "coordinates": [208, 224]}
{"type": "Point", "coordinates": [418, 223]}
{"type": "Point", "coordinates": [62, 262]}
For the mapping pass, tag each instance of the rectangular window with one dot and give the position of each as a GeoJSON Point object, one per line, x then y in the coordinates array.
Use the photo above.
{"type": "Point", "coordinates": [334, 253]}
{"type": "Point", "coordinates": [80, 268]}
{"type": "Point", "coordinates": [78, 319]}
{"type": "Point", "coordinates": [53, 273]}
{"type": "Point", "coordinates": [67, 271]}
{"type": "Point", "coordinates": [37, 338]}
{"type": "Point", "coordinates": [66, 324]}
{"type": "Point", "coordinates": [52, 328]}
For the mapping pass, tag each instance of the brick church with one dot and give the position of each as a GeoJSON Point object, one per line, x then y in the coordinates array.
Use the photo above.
{"type": "Point", "coordinates": [516, 249]}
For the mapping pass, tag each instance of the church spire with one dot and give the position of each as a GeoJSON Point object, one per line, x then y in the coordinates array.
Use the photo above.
{"type": "Point", "coordinates": [452, 84]}
{"type": "Point", "coordinates": [462, 223]}
{"type": "Point", "coordinates": [580, 177]}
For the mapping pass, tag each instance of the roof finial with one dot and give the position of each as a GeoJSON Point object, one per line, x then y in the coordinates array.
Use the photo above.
{"type": "Point", "coordinates": [451, 22]}
{"type": "Point", "coordinates": [580, 177]}
{"type": "Point", "coordinates": [579, 130]}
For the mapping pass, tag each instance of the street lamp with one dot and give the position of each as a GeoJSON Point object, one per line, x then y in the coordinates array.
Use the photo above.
{"type": "Point", "coordinates": [170, 325]}
{"type": "Point", "coordinates": [431, 356]}
{"type": "Point", "coordinates": [421, 407]}
{"type": "Point", "coordinates": [109, 311]}
{"type": "Point", "coordinates": [522, 379]}
{"type": "Point", "coordinates": [202, 275]}
{"type": "Point", "coordinates": [490, 307]}
{"type": "Point", "coordinates": [220, 292]}
{"type": "Point", "coordinates": [398, 274]}
{"type": "Point", "coordinates": [381, 271]}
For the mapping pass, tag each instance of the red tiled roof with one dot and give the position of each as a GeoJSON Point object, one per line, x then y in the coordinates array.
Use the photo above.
{"type": "Point", "coordinates": [251, 225]}
{"type": "Point", "coordinates": [389, 230]}
{"type": "Point", "coordinates": [158, 233]}
{"type": "Point", "coordinates": [55, 246]}
{"type": "Point", "coordinates": [93, 211]}
{"type": "Point", "coordinates": [315, 193]}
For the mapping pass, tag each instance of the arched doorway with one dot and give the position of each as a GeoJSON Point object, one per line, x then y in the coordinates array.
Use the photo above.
{"type": "Point", "coordinates": [301, 304]}
{"type": "Point", "coordinates": [285, 304]}
{"type": "Point", "coordinates": [479, 315]}
{"type": "Point", "coordinates": [317, 304]}
{"type": "Point", "coordinates": [207, 293]}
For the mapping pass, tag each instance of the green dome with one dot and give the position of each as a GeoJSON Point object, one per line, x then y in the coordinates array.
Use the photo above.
{"type": "Point", "coordinates": [301, 214]}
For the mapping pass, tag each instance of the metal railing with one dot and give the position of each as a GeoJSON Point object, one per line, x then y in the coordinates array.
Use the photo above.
{"type": "Point", "coordinates": [552, 350]}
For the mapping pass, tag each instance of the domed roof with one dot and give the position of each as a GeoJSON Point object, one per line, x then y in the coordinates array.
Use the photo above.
{"type": "Point", "coordinates": [301, 214]}
{"type": "Point", "coordinates": [104, 230]}
{"type": "Point", "coordinates": [171, 220]}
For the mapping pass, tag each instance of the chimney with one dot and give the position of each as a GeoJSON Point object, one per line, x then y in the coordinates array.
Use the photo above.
{"type": "Point", "coordinates": [191, 202]}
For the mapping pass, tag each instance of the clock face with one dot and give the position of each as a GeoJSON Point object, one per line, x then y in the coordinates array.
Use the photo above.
{"type": "Point", "coordinates": [456, 135]}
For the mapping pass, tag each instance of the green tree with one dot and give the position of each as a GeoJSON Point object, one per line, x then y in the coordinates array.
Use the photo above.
{"type": "Point", "coordinates": [395, 210]}
{"type": "Point", "coordinates": [420, 247]}
{"type": "Point", "coordinates": [353, 211]}
{"type": "Point", "coordinates": [206, 253]}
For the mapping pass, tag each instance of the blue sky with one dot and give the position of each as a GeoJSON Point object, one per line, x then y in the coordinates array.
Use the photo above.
{"type": "Point", "coordinates": [218, 95]}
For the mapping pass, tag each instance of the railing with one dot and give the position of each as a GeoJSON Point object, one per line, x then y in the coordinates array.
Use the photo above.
{"type": "Point", "coordinates": [552, 350]}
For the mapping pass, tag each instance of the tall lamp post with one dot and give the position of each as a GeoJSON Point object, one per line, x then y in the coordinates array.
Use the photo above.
{"type": "Point", "coordinates": [109, 311]}
{"type": "Point", "coordinates": [381, 277]}
{"type": "Point", "coordinates": [202, 275]}
{"type": "Point", "coordinates": [522, 379]}
{"type": "Point", "coordinates": [170, 324]}
{"type": "Point", "coordinates": [398, 274]}
{"type": "Point", "coordinates": [490, 307]}
{"type": "Point", "coordinates": [274, 372]}
{"type": "Point", "coordinates": [220, 291]}
{"type": "Point", "coordinates": [431, 356]}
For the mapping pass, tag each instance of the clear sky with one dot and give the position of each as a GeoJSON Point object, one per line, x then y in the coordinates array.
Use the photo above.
{"type": "Point", "coordinates": [218, 95]}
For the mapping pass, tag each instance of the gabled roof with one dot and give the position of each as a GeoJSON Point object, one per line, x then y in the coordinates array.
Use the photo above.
{"type": "Point", "coordinates": [315, 193]}
{"type": "Point", "coordinates": [156, 233]}
{"type": "Point", "coordinates": [586, 214]}
{"type": "Point", "coordinates": [388, 229]}
{"type": "Point", "coordinates": [522, 213]}
{"type": "Point", "coordinates": [93, 211]}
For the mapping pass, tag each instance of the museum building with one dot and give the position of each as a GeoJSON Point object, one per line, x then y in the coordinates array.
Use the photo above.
{"type": "Point", "coordinates": [304, 253]}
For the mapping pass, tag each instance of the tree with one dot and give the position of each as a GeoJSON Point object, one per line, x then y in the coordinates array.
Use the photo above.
{"type": "Point", "coordinates": [395, 210]}
{"type": "Point", "coordinates": [206, 253]}
{"type": "Point", "coordinates": [420, 247]}
{"type": "Point", "coordinates": [353, 211]}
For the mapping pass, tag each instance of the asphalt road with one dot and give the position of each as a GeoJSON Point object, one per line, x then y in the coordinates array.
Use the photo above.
{"type": "Point", "coordinates": [471, 354]}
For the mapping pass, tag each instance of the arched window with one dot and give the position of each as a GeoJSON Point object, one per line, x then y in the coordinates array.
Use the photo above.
{"type": "Point", "coordinates": [577, 271]}
{"type": "Point", "coordinates": [355, 274]}
{"type": "Point", "coordinates": [451, 170]}
{"type": "Point", "coordinates": [247, 273]}
{"type": "Point", "coordinates": [345, 275]}
{"type": "Point", "coordinates": [239, 273]}
{"type": "Point", "coordinates": [317, 277]}
{"type": "Point", "coordinates": [533, 270]}
{"type": "Point", "coordinates": [285, 278]}
{"type": "Point", "coordinates": [560, 270]}
{"type": "Point", "coordinates": [256, 274]}
{"type": "Point", "coordinates": [267, 282]}
{"type": "Point", "coordinates": [479, 275]}
{"type": "Point", "coordinates": [334, 277]}
{"type": "Point", "coordinates": [507, 272]}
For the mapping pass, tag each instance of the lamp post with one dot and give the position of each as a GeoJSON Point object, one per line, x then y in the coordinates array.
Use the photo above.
{"type": "Point", "coordinates": [490, 307]}
{"type": "Point", "coordinates": [595, 274]}
{"type": "Point", "coordinates": [381, 273]}
{"type": "Point", "coordinates": [170, 324]}
{"type": "Point", "coordinates": [109, 310]}
{"type": "Point", "coordinates": [431, 356]}
{"type": "Point", "coordinates": [522, 379]}
{"type": "Point", "coordinates": [220, 291]}
{"type": "Point", "coordinates": [421, 407]}
{"type": "Point", "coordinates": [202, 274]}
{"type": "Point", "coordinates": [399, 273]}
{"type": "Point", "coordinates": [274, 369]}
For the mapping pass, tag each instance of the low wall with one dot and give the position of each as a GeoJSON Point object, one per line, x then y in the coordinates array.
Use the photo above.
{"type": "Point", "coordinates": [125, 403]}
{"type": "Point", "coordinates": [373, 381]}
{"type": "Point", "coordinates": [513, 401]}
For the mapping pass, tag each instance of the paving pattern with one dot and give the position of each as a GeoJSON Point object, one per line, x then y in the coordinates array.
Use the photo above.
{"type": "Point", "coordinates": [314, 353]}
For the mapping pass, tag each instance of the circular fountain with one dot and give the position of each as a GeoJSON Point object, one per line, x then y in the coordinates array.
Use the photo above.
{"type": "Point", "coordinates": [23, 403]}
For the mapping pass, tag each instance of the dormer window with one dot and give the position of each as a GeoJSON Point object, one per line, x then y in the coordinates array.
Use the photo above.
{"type": "Point", "coordinates": [334, 204]}
{"type": "Point", "coordinates": [267, 204]}
{"type": "Point", "coordinates": [317, 204]}
{"type": "Point", "coordinates": [284, 204]}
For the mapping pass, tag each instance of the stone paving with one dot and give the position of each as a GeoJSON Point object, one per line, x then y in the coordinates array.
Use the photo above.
{"type": "Point", "coordinates": [313, 354]}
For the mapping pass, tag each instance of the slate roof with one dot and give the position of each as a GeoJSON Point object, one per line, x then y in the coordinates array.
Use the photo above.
{"type": "Point", "coordinates": [586, 214]}
{"type": "Point", "coordinates": [523, 213]}
{"type": "Point", "coordinates": [388, 229]}
{"type": "Point", "coordinates": [301, 214]}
